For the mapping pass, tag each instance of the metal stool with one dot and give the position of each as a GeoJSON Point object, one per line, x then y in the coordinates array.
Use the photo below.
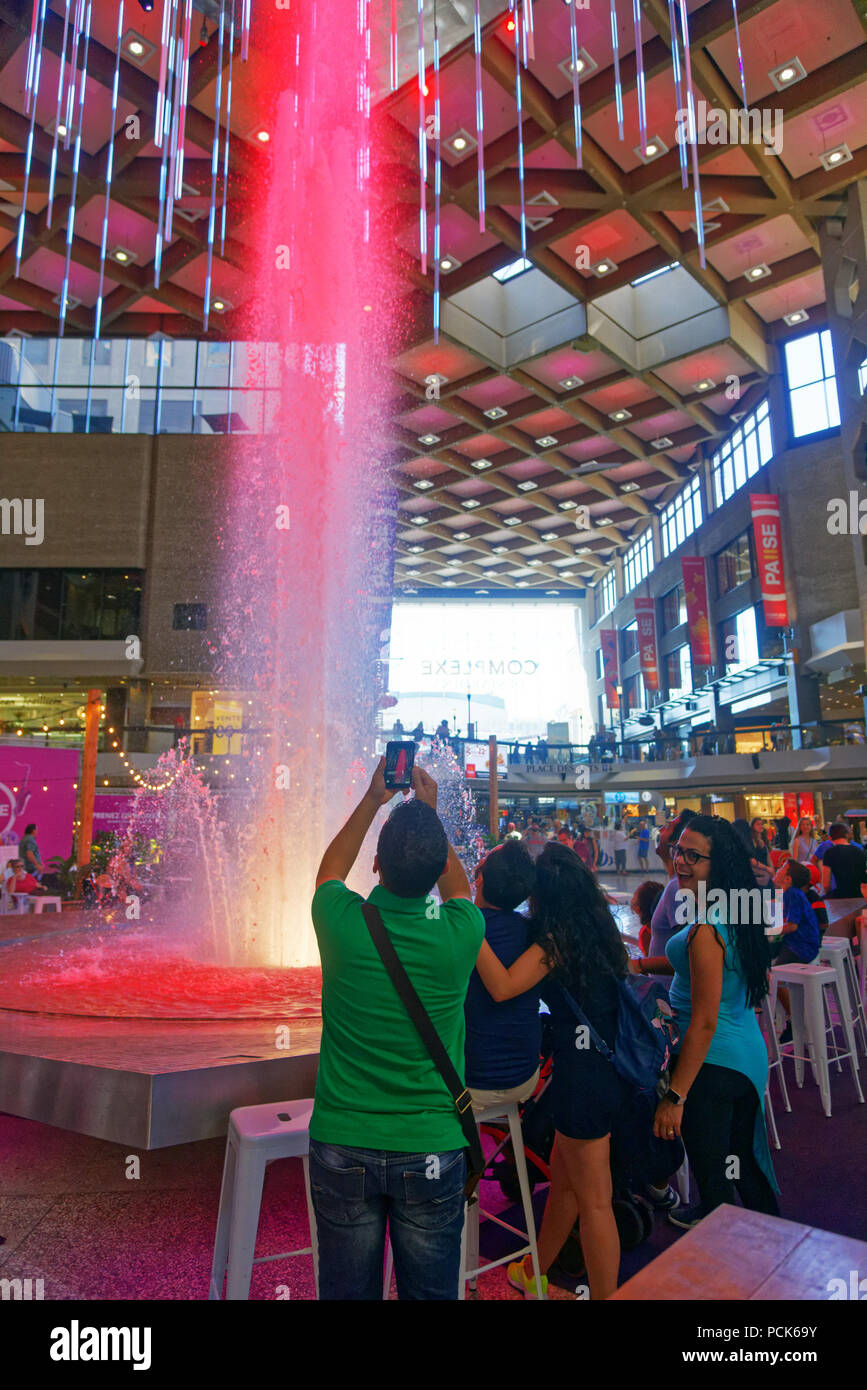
{"type": "Point", "coordinates": [837, 952]}
{"type": "Point", "coordinates": [807, 986]}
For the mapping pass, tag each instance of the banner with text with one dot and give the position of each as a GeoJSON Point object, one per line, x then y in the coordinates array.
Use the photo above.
{"type": "Point", "coordinates": [767, 529]}
{"type": "Point", "coordinates": [645, 617]}
{"type": "Point", "coordinates": [37, 786]}
{"type": "Point", "coordinates": [697, 609]}
{"type": "Point", "coordinates": [608, 639]}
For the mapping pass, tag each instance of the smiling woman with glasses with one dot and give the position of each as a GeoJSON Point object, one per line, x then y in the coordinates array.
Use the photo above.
{"type": "Point", "coordinates": [720, 966]}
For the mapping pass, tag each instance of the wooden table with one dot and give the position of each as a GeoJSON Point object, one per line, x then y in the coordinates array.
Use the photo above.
{"type": "Point", "coordinates": [737, 1254]}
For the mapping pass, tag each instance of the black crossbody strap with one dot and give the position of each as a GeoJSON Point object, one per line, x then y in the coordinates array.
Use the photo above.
{"type": "Point", "coordinates": [432, 1041]}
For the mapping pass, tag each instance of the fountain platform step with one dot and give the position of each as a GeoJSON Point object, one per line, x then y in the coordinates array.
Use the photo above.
{"type": "Point", "coordinates": [150, 1083]}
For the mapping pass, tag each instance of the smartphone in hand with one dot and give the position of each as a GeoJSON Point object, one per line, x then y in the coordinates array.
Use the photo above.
{"type": "Point", "coordinates": [399, 760]}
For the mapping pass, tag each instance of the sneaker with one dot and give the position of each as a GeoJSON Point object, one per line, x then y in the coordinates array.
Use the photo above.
{"type": "Point", "coordinates": [517, 1276]}
{"type": "Point", "coordinates": [686, 1217]}
{"type": "Point", "coordinates": [662, 1198]}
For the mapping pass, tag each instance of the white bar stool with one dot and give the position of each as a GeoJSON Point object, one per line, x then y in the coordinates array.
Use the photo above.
{"type": "Point", "coordinates": [257, 1135]}
{"type": "Point", "coordinates": [807, 985]}
{"type": "Point", "coordinates": [837, 952]}
{"type": "Point", "coordinates": [775, 1059]}
{"type": "Point", "coordinates": [470, 1267]}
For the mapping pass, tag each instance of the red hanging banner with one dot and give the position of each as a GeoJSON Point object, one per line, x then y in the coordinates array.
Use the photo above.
{"type": "Point", "coordinates": [767, 529]}
{"type": "Point", "coordinates": [608, 640]}
{"type": "Point", "coordinates": [697, 609]}
{"type": "Point", "coordinates": [645, 617]}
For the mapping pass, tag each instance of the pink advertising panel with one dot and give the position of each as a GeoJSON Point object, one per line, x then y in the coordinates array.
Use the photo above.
{"type": "Point", "coordinates": [111, 812]}
{"type": "Point", "coordinates": [38, 784]}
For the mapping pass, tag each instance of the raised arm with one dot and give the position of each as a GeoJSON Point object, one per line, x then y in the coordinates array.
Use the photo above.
{"type": "Point", "coordinates": [527, 972]}
{"type": "Point", "coordinates": [453, 881]}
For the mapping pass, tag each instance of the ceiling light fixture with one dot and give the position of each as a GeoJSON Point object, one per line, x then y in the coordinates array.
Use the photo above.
{"type": "Point", "coordinates": [500, 549]}
{"type": "Point", "coordinates": [415, 549]}
{"type": "Point", "coordinates": [705, 385]}
{"type": "Point", "coordinates": [512, 521]}
{"type": "Point", "coordinates": [566, 574]}
{"type": "Point", "coordinates": [571, 383]}
{"type": "Point", "coordinates": [534, 562]}
{"type": "Point", "coordinates": [496, 412]}
{"type": "Point", "coordinates": [549, 535]}
{"type": "Point", "coordinates": [121, 254]}
{"type": "Point", "coordinates": [462, 535]}
{"type": "Point", "coordinates": [470, 503]}
{"type": "Point", "coordinates": [418, 520]}
{"type": "Point", "coordinates": [832, 159]}
{"type": "Point", "coordinates": [585, 64]}
{"type": "Point", "coordinates": [428, 439]}
{"type": "Point", "coordinates": [547, 441]}
{"type": "Point", "coordinates": [567, 506]}
{"type": "Point", "coordinates": [423, 484]}
{"type": "Point", "coordinates": [480, 464]}
{"type": "Point", "coordinates": [604, 267]}
{"type": "Point", "coordinates": [654, 148]}
{"type": "Point", "coordinates": [796, 317]}
{"type": "Point", "coordinates": [461, 142]}
{"type": "Point", "coordinates": [787, 74]}
{"type": "Point", "coordinates": [449, 263]}
{"type": "Point", "coordinates": [663, 442]}
{"type": "Point", "coordinates": [758, 272]}
{"type": "Point", "coordinates": [618, 415]}
{"type": "Point", "coordinates": [527, 486]}
{"type": "Point", "coordinates": [630, 487]}
{"type": "Point", "coordinates": [604, 521]}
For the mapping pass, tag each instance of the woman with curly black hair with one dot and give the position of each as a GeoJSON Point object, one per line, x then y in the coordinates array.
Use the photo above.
{"type": "Point", "coordinates": [580, 945]}
{"type": "Point", "coordinates": [720, 963]}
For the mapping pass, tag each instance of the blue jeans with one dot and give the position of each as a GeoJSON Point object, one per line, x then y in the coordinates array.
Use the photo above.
{"type": "Point", "coordinates": [420, 1195]}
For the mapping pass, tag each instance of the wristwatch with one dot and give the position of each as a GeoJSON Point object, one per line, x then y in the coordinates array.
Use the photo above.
{"type": "Point", "coordinates": [673, 1098]}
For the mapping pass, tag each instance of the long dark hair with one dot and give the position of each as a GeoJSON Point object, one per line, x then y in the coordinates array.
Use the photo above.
{"type": "Point", "coordinates": [573, 922]}
{"type": "Point", "coordinates": [730, 870]}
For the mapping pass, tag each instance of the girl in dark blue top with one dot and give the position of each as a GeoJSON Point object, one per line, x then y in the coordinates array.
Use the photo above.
{"type": "Point", "coordinates": [578, 943]}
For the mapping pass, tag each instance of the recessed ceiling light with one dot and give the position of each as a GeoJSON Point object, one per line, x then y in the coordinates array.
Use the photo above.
{"type": "Point", "coordinates": [785, 74]}
{"type": "Point", "coordinates": [571, 383]}
{"type": "Point", "coordinates": [481, 591]}
{"type": "Point", "coordinates": [263, 136]}
{"type": "Point", "coordinates": [584, 550]}
{"type": "Point", "coordinates": [603, 521]}
{"type": "Point", "coordinates": [470, 503]}
{"type": "Point", "coordinates": [619, 415]}
{"type": "Point", "coordinates": [652, 149]}
{"type": "Point", "coordinates": [831, 159]}
{"type": "Point", "coordinates": [522, 584]}
{"type": "Point", "coordinates": [630, 487]}
{"type": "Point", "coordinates": [221, 305]}
{"type": "Point", "coordinates": [705, 385]}
{"type": "Point", "coordinates": [435, 379]}
{"type": "Point", "coordinates": [528, 486]}
{"type": "Point", "coordinates": [423, 484]}
{"type": "Point", "coordinates": [480, 464]}
{"type": "Point", "coordinates": [418, 520]}
{"type": "Point", "coordinates": [427, 439]}
{"type": "Point", "coordinates": [407, 590]}
{"type": "Point", "coordinates": [462, 535]}
{"type": "Point", "coordinates": [512, 521]}
{"type": "Point", "coordinates": [461, 142]}
{"type": "Point", "coordinates": [549, 536]}
{"type": "Point", "coordinates": [757, 272]}
{"type": "Point", "coordinates": [548, 441]}
{"type": "Point", "coordinates": [415, 549]}
{"type": "Point", "coordinates": [567, 506]}
{"type": "Point", "coordinates": [534, 562]}
{"type": "Point", "coordinates": [70, 302]}
{"type": "Point", "coordinates": [796, 317]}
{"type": "Point", "coordinates": [604, 267]}
{"type": "Point", "coordinates": [663, 442]}
{"type": "Point", "coordinates": [137, 47]}
{"type": "Point", "coordinates": [567, 574]}
{"type": "Point", "coordinates": [496, 412]}
{"type": "Point", "coordinates": [413, 574]}
{"type": "Point", "coordinates": [585, 64]}
{"type": "Point", "coordinates": [448, 583]}
{"type": "Point", "coordinates": [449, 263]}
{"type": "Point", "coordinates": [501, 550]}
{"type": "Point", "coordinates": [121, 254]}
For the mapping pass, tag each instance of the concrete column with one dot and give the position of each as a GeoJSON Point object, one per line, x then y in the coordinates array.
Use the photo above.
{"type": "Point", "coordinates": [138, 711]}
{"type": "Point", "coordinates": [805, 704]}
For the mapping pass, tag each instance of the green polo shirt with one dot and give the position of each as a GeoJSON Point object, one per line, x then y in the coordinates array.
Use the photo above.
{"type": "Point", "coordinates": [377, 1088]}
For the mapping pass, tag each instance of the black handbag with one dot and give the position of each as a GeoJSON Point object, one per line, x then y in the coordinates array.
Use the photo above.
{"type": "Point", "coordinates": [431, 1039]}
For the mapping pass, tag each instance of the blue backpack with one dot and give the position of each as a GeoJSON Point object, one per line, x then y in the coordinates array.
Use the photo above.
{"type": "Point", "coordinates": [647, 1034]}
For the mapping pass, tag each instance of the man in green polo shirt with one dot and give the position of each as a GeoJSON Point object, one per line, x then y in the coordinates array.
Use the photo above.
{"type": "Point", "coordinates": [385, 1139]}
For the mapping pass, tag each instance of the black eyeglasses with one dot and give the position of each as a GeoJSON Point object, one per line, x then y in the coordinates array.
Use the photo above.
{"type": "Point", "coordinates": [691, 856]}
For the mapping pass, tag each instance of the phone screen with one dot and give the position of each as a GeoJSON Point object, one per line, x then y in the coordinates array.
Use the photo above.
{"type": "Point", "coordinates": [399, 759]}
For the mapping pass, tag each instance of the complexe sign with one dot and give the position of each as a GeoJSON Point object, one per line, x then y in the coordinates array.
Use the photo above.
{"type": "Point", "coordinates": [697, 610]}
{"type": "Point", "coordinates": [767, 529]}
{"type": "Point", "coordinates": [645, 617]}
{"type": "Point", "coordinates": [477, 761]}
{"type": "Point", "coordinates": [515, 667]}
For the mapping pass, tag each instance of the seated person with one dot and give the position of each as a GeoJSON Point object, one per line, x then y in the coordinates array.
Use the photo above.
{"type": "Point", "coordinates": [13, 868]}
{"type": "Point", "coordinates": [503, 1041]}
{"type": "Point", "coordinates": [801, 935]}
{"type": "Point", "coordinates": [21, 882]}
{"type": "Point", "coordinates": [643, 904]}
